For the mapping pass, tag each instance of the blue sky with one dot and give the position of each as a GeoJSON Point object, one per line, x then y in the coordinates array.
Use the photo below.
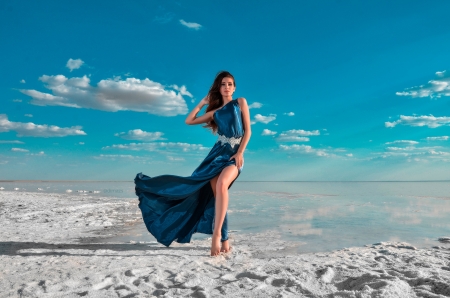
{"type": "Point", "coordinates": [339, 90]}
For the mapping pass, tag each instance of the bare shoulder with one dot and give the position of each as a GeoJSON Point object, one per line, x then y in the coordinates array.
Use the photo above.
{"type": "Point", "coordinates": [242, 101]}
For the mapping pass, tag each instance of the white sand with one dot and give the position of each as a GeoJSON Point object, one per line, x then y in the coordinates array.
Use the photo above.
{"type": "Point", "coordinates": [41, 256]}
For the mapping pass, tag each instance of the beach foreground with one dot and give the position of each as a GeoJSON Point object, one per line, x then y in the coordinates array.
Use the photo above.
{"type": "Point", "coordinates": [50, 247]}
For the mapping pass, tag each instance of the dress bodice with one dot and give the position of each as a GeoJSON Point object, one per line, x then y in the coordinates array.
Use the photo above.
{"type": "Point", "coordinates": [229, 120]}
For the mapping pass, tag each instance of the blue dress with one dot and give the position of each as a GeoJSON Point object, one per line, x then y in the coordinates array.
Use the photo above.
{"type": "Point", "coordinates": [174, 207]}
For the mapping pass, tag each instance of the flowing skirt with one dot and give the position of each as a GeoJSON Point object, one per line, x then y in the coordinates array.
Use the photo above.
{"type": "Point", "coordinates": [174, 207]}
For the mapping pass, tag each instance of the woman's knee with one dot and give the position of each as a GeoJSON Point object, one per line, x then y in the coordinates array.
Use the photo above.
{"type": "Point", "coordinates": [221, 186]}
{"type": "Point", "coordinates": [226, 178]}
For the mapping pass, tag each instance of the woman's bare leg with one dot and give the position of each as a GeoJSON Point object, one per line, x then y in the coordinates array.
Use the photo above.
{"type": "Point", "coordinates": [225, 247]}
{"type": "Point", "coordinates": [221, 194]}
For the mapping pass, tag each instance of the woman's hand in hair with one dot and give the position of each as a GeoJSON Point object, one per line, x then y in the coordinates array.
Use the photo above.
{"type": "Point", "coordinates": [204, 101]}
{"type": "Point", "coordinates": [192, 118]}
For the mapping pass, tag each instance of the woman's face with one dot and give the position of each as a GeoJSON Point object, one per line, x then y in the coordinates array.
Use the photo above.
{"type": "Point", "coordinates": [227, 87]}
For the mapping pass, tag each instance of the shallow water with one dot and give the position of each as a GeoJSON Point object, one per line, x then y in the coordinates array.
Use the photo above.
{"type": "Point", "coordinates": [317, 216]}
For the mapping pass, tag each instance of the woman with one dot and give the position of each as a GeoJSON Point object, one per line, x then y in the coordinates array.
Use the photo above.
{"type": "Point", "coordinates": [173, 207]}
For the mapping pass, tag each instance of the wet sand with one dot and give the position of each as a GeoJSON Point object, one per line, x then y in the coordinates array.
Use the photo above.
{"type": "Point", "coordinates": [53, 245]}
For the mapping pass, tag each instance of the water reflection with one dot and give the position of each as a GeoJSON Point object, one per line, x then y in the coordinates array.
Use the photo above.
{"type": "Point", "coordinates": [320, 216]}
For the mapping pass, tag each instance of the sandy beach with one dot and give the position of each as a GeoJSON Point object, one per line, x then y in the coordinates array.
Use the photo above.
{"type": "Point", "coordinates": [55, 245]}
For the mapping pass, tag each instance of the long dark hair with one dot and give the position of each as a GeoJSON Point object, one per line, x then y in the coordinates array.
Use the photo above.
{"type": "Point", "coordinates": [215, 98]}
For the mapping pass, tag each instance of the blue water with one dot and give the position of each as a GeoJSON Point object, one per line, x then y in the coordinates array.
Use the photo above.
{"type": "Point", "coordinates": [318, 216]}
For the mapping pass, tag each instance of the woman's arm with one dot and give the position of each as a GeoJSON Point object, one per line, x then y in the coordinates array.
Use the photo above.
{"type": "Point", "coordinates": [239, 156]}
{"type": "Point", "coordinates": [192, 118]}
{"type": "Point", "coordinates": [246, 121]}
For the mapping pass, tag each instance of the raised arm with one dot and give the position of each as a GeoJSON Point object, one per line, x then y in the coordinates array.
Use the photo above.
{"type": "Point", "coordinates": [192, 118]}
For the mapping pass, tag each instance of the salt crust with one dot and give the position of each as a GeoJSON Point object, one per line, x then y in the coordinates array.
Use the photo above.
{"type": "Point", "coordinates": [41, 255]}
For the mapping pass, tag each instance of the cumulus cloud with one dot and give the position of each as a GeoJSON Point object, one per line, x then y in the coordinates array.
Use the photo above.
{"type": "Point", "coordinates": [111, 95]}
{"type": "Point", "coordinates": [158, 146]}
{"type": "Point", "coordinates": [28, 115]}
{"type": "Point", "coordinates": [22, 81]}
{"type": "Point", "coordinates": [433, 89]}
{"type": "Point", "coordinates": [19, 150]}
{"type": "Point", "coordinates": [17, 100]}
{"type": "Point", "coordinates": [290, 114]}
{"type": "Point", "coordinates": [297, 135]}
{"type": "Point", "coordinates": [430, 121]}
{"type": "Point", "coordinates": [81, 143]}
{"type": "Point", "coordinates": [194, 26]}
{"type": "Point", "coordinates": [442, 138]}
{"type": "Point", "coordinates": [140, 135]}
{"type": "Point", "coordinates": [406, 142]}
{"type": "Point", "coordinates": [74, 64]}
{"type": "Point", "coordinates": [264, 119]}
{"type": "Point", "coordinates": [268, 132]}
{"type": "Point", "coordinates": [303, 149]}
{"type": "Point", "coordinates": [30, 129]}
{"type": "Point", "coordinates": [11, 142]}
{"type": "Point", "coordinates": [255, 105]}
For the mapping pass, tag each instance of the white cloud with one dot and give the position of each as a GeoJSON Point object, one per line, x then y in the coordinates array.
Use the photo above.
{"type": "Point", "coordinates": [11, 142]}
{"type": "Point", "coordinates": [303, 133]}
{"type": "Point", "coordinates": [303, 149]}
{"type": "Point", "coordinates": [412, 153]}
{"type": "Point", "coordinates": [40, 153]}
{"type": "Point", "coordinates": [74, 64]}
{"type": "Point", "coordinates": [28, 115]}
{"type": "Point", "coordinates": [297, 135]}
{"type": "Point", "coordinates": [290, 114]}
{"type": "Point", "coordinates": [173, 158]}
{"type": "Point", "coordinates": [111, 95]}
{"type": "Point", "coordinates": [264, 119]}
{"type": "Point", "coordinates": [291, 138]}
{"type": "Point", "coordinates": [349, 155]}
{"type": "Point", "coordinates": [443, 138]}
{"type": "Point", "coordinates": [267, 132]}
{"type": "Point", "coordinates": [255, 105]}
{"type": "Point", "coordinates": [430, 121]}
{"type": "Point", "coordinates": [442, 153]}
{"type": "Point", "coordinates": [81, 143]}
{"type": "Point", "coordinates": [194, 26]}
{"type": "Point", "coordinates": [408, 142]}
{"type": "Point", "coordinates": [158, 146]}
{"type": "Point", "coordinates": [182, 90]}
{"type": "Point", "coordinates": [22, 81]}
{"type": "Point", "coordinates": [30, 129]}
{"type": "Point", "coordinates": [401, 148]}
{"type": "Point", "coordinates": [19, 150]}
{"type": "Point", "coordinates": [17, 100]}
{"type": "Point", "coordinates": [139, 134]}
{"type": "Point", "coordinates": [434, 88]}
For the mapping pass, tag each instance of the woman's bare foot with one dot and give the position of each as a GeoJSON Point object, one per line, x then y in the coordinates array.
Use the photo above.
{"type": "Point", "coordinates": [215, 245]}
{"type": "Point", "coordinates": [225, 247]}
